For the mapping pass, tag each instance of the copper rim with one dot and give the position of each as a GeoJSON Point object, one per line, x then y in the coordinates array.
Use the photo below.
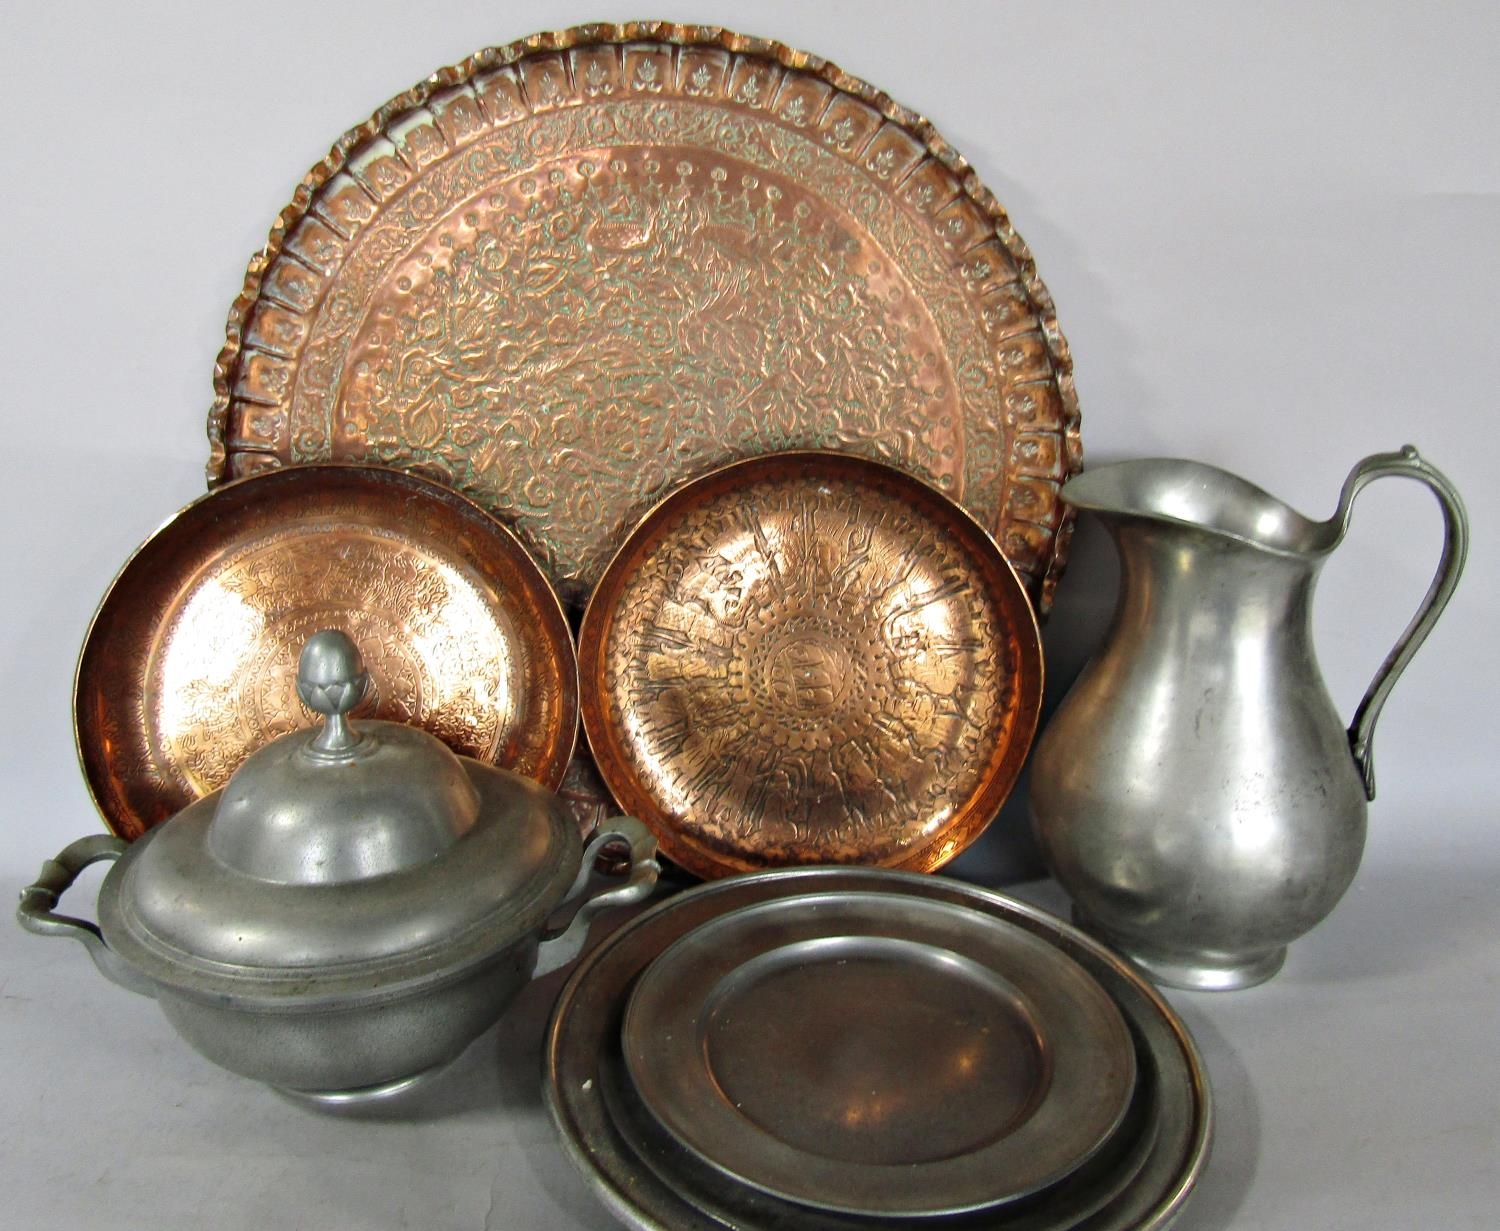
{"type": "Point", "coordinates": [189, 662]}
{"type": "Point", "coordinates": [885, 725]}
{"type": "Point", "coordinates": [252, 424]}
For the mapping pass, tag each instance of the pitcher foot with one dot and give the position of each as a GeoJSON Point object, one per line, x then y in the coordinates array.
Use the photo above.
{"type": "Point", "coordinates": [1205, 972]}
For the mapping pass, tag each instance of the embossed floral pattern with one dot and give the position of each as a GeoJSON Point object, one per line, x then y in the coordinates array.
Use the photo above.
{"type": "Point", "coordinates": [631, 326]}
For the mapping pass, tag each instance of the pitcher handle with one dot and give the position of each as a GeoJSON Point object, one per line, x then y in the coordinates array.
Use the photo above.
{"type": "Point", "coordinates": [1407, 464]}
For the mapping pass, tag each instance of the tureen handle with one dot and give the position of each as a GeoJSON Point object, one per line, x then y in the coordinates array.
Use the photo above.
{"type": "Point", "coordinates": [35, 912]}
{"type": "Point", "coordinates": [561, 945]}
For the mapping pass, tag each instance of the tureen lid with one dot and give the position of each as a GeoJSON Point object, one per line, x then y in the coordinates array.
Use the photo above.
{"type": "Point", "coordinates": [355, 855]}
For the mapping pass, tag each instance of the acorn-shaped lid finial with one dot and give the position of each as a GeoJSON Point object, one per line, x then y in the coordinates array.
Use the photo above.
{"type": "Point", "coordinates": [332, 680]}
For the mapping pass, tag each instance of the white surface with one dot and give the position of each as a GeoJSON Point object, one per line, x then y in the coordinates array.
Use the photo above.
{"type": "Point", "coordinates": [1273, 234]}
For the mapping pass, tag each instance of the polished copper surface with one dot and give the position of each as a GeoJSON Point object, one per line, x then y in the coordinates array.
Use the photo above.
{"type": "Point", "coordinates": [569, 273]}
{"type": "Point", "coordinates": [809, 658]}
{"type": "Point", "coordinates": [190, 664]}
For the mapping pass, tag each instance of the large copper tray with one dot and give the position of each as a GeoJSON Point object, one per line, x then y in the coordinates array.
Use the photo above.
{"type": "Point", "coordinates": [572, 272]}
{"type": "Point", "coordinates": [190, 663]}
{"type": "Point", "coordinates": [809, 658]}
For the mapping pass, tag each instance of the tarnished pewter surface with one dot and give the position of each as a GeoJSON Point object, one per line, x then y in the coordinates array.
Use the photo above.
{"type": "Point", "coordinates": [190, 664]}
{"type": "Point", "coordinates": [1197, 793]}
{"type": "Point", "coordinates": [570, 273]}
{"type": "Point", "coordinates": [1140, 1182]}
{"type": "Point", "coordinates": [1066, 1206]}
{"type": "Point", "coordinates": [809, 658]}
{"type": "Point", "coordinates": [879, 1055]}
{"type": "Point", "coordinates": [352, 909]}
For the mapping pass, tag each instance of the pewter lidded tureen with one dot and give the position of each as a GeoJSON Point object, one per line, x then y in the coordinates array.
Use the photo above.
{"type": "Point", "coordinates": [352, 909]}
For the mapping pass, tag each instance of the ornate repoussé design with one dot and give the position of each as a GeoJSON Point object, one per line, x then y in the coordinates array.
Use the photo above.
{"type": "Point", "coordinates": [556, 315]}
{"type": "Point", "coordinates": [809, 659]}
{"type": "Point", "coordinates": [570, 273]}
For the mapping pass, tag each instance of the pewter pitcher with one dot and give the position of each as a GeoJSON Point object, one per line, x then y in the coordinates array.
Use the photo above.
{"type": "Point", "coordinates": [1197, 793]}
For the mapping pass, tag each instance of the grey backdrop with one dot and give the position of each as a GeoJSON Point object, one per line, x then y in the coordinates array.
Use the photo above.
{"type": "Point", "coordinates": [1273, 234]}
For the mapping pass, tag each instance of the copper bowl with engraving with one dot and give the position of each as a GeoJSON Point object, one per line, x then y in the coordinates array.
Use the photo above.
{"type": "Point", "coordinates": [810, 658]}
{"type": "Point", "coordinates": [189, 665]}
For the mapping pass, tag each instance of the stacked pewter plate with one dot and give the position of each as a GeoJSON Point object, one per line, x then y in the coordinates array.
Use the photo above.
{"type": "Point", "coordinates": [827, 1048]}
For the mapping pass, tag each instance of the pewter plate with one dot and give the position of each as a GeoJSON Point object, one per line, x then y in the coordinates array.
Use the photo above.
{"type": "Point", "coordinates": [570, 273]}
{"type": "Point", "coordinates": [1083, 1192]}
{"type": "Point", "coordinates": [190, 662]}
{"type": "Point", "coordinates": [650, 1183]}
{"type": "Point", "coordinates": [809, 658]}
{"type": "Point", "coordinates": [878, 1055]}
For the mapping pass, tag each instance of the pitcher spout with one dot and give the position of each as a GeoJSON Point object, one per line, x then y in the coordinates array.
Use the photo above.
{"type": "Point", "coordinates": [1196, 496]}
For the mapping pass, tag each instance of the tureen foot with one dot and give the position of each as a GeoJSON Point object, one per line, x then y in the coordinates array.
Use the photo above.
{"type": "Point", "coordinates": [364, 1096]}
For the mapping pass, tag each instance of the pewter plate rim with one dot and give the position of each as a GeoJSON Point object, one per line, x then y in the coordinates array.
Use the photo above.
{"type": "Point", "coordinates": [1091, 1078]}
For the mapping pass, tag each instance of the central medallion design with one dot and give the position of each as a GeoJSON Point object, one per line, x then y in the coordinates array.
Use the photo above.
{"type": "Point", "coordinates": [807, 675]}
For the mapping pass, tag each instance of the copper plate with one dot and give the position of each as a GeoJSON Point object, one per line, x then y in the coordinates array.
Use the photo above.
{"type": "Point", "coordinates": [809, 658]}
{"type": "Point", "coordinates": [1137, 1183]}
{"type": "Point", "coordinates": [191, 661]}
{"type": "Point", "coordinates": [878, 1055]}
{"type": "Point", "coordinates": [567, 274]}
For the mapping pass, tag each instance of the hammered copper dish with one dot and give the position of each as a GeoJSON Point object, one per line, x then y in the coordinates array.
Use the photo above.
{"type": "Point", "coordinates": [809, 658]}
{"type": "Point", "coordinates": [1138, 1182]}
{"type": "Point", "coordinates": [878, 1055]}
{"type": "Point", "coordinates": [189, 665]}
{"type": "Point", "coordinates": [569, 273]}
